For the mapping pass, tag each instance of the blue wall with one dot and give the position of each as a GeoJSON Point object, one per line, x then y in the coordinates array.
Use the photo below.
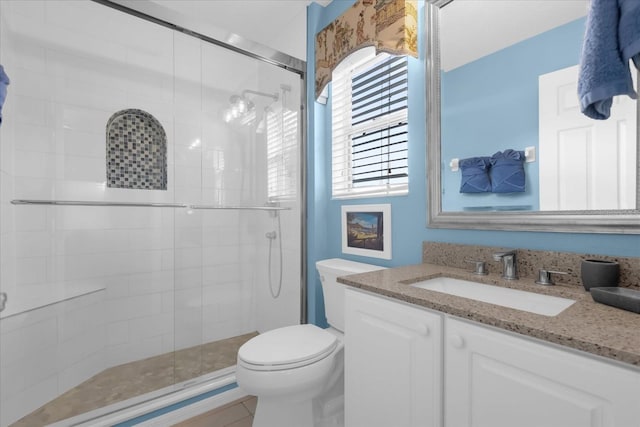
{"type": "Point", "coordinates": [476, 95]}
{"type": "Point", "coordinates": [408, 212]}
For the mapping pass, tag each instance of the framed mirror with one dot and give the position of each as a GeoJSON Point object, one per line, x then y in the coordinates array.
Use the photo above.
{"type": "Point", "coordinates": [502, 77]}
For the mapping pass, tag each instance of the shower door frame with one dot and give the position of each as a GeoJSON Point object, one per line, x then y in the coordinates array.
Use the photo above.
{"type": "Point", "coordinates": [153, 13]}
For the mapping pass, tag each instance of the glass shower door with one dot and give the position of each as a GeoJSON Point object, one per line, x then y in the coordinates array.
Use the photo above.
{"type": "Point", "coordinates": [87, 253]}
{"type": "Point", "coordinates": [147, 229]}
{"type": "Point", "coordinates": [237, 156]}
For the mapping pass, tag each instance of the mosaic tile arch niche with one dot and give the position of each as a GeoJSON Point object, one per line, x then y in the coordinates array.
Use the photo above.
{"type": "Point", "coordinates": [136, 151]}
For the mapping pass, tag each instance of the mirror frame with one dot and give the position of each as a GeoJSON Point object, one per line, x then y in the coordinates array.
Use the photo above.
{"type": "Point", "coordinates": [601, 221]}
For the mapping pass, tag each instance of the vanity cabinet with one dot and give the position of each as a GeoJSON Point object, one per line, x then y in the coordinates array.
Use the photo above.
{"type": "Point", "coordinates": [404, 363]}
{"type": "Point", "coordinates": [496, 379]}
{"type": "Point", "coordinates": [393, 363]}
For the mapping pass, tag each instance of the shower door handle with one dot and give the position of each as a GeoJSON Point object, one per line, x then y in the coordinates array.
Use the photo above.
{"type": "Point", "coordinates": [3, 300]}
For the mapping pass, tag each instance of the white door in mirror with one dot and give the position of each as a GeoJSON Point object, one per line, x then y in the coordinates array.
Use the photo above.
{"type": "Point", "coordinates": [585, 164]}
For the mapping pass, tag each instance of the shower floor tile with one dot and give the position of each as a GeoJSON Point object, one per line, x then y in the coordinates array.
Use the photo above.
{"type": "Point", "coordinates": [136, 378]}
{"type": "Point", "coordinates": [235, 414]}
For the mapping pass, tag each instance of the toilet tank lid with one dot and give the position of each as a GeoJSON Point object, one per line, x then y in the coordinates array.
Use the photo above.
{"type": "Point", "coordinates": [343, 267]}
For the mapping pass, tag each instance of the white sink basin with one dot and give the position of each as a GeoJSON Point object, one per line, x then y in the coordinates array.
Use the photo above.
{"type": "Point", "coordinates": [513, 298]}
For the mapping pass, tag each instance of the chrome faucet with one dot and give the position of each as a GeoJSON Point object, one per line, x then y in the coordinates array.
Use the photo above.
{"type": "Point", "coordinates": [509, 263]}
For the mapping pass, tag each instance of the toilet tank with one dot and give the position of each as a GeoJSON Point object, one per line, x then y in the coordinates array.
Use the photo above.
{"type": "Point", "coordinates": [330, 270]}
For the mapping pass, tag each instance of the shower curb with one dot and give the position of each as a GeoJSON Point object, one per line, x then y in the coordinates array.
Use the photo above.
{"type": "Point", "coordinates": [164, 407]}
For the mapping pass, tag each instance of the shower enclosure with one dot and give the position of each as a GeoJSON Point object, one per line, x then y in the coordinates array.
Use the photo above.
{"type": "Point", "coordinates": [150, 207]}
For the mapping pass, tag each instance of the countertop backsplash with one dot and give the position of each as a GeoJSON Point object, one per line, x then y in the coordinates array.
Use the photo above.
{"type": "Point", "coordinates": [529, 261]}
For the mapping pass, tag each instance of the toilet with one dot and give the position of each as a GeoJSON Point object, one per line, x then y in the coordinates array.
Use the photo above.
{"type": "Point", "coordinates": [297, 372]}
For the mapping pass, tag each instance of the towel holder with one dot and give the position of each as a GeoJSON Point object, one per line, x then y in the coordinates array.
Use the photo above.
{"type": "Point", "coordinates": [529, 155]}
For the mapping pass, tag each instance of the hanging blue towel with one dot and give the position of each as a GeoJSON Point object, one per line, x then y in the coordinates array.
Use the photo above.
{"type": "Point", "coordinates": [507, 172]}
{"type": "Point", "coordinates": [475, 175]}
{"type": "Point", "coordinates": [604, 72]}
{"type": "Point", "coordinates": [629, 31]}
{"type": "Point", "coordinates": [4, 82]}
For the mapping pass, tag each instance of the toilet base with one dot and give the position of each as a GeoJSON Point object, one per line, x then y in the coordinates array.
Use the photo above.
{"type": "Point", "coordinates": [271, 413]}
{"type": "Point", "coordinates": [326, 410]}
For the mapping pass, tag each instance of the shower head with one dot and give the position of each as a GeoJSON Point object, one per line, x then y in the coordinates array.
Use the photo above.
{"type": "Point", "coordinates": [242, 107]}
{"type": "Point", "coordinates": [241, 103]}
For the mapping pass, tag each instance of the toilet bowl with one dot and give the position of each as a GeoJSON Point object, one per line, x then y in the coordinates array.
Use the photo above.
{"type": "Point", "coordinates": [290, 369]}
{"type": "Point", "coordinates": [297, 372]}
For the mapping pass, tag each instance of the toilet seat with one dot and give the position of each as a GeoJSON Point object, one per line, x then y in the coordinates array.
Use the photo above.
{"type": "Point", "coordinates": [287, 348]}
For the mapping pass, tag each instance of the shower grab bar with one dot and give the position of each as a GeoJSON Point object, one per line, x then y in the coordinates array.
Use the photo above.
{"type": "Point", "coordinates": [137, 204]}
{"type": "Point", "coordinates": [91, 203]}
{"type": "Point", "coordinates": [254, 208]}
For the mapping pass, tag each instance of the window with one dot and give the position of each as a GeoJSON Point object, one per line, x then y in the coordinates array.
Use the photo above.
{"type": "Point", "coordinates": [282, 153]}
{"type": "Point", "coordinates": [369, 128]}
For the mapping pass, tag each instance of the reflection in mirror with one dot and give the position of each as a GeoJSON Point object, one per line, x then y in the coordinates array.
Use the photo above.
{"type": "Point", "coordinates": [503, 76]}
{"type": "Point", "coordinates": [509, 81]}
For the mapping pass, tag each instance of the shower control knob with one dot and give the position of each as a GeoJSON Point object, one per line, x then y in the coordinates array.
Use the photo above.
{"type": "Point", "coordinates": [271, 235]}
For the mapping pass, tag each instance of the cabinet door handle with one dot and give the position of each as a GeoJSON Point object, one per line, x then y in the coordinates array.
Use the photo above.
{"type": "Point", "coordinates": [422, 329]}
{"type": "Point", "coordinates": [456, 341]}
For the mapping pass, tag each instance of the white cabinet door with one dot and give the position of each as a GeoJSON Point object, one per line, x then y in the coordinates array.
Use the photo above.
{"type": "Point", "coordinates": [495, 379]}
{"type": "Point", "coordinates": [393, 366]}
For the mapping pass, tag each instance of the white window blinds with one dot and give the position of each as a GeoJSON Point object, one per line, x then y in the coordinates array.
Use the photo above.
{"type": "Point", "coordinates": [282, 154]}
{"type": "Point", "coordinates": [369, 129]}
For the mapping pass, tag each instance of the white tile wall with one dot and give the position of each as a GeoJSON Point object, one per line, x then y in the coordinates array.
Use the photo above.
{"type": "Point", "coordinates": [15, 407]}
{"type": "Point", "coordinates": [45, 352]}
{"type": "Point", "coordinates": [85, 368]}
{"type": "Point", "coordinates": [172, 278]}
{"type": "Point", "coordinates": [117, 333]}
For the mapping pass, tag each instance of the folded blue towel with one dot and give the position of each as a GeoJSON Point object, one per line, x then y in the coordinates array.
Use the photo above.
{"type": "Point", "coordinates": [4, 82]}
{"type": "Point", "coordinates": [507, 172]}
{"type": "Point", "coordinates": [629, 31]}
{"type": "Point", "coordinates": [475, 175]}
{"type": "Point", "coordinates": [604, 73]}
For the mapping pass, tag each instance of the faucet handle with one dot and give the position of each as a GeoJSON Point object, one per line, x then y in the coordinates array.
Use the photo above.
{"type": "Point", "coordinates": [498, 256]}
{"type": "Point", "coordinates": [480, 267]}
{"type": "Point", "coordinates": [544, 276]}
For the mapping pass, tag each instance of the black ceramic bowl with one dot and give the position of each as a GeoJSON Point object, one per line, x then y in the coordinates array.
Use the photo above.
{"type": "Point", "coordinates": [600, 273]}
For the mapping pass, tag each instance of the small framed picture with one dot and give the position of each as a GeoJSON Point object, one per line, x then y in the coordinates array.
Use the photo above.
{"type": "Point", "coordinates": [366, 230]}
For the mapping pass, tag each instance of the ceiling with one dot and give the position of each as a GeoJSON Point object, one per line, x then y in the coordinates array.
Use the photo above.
{"type": "Point", "coordinates": [471, 29]}
{"type": "Point", "coordinates": [279, 24]}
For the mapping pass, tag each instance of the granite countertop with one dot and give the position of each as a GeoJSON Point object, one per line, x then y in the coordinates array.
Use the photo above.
{"type": "Point", "coordinates": [586, 325]}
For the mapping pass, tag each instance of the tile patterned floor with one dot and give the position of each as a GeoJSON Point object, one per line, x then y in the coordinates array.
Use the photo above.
{"type": "Point", "coordinates": [136, 378]}
{"type": "Point", "coordinates": [235, 414]}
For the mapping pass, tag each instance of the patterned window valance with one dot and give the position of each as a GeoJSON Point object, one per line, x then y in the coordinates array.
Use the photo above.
{"type": "Point", "coordinates": [388, 25]}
